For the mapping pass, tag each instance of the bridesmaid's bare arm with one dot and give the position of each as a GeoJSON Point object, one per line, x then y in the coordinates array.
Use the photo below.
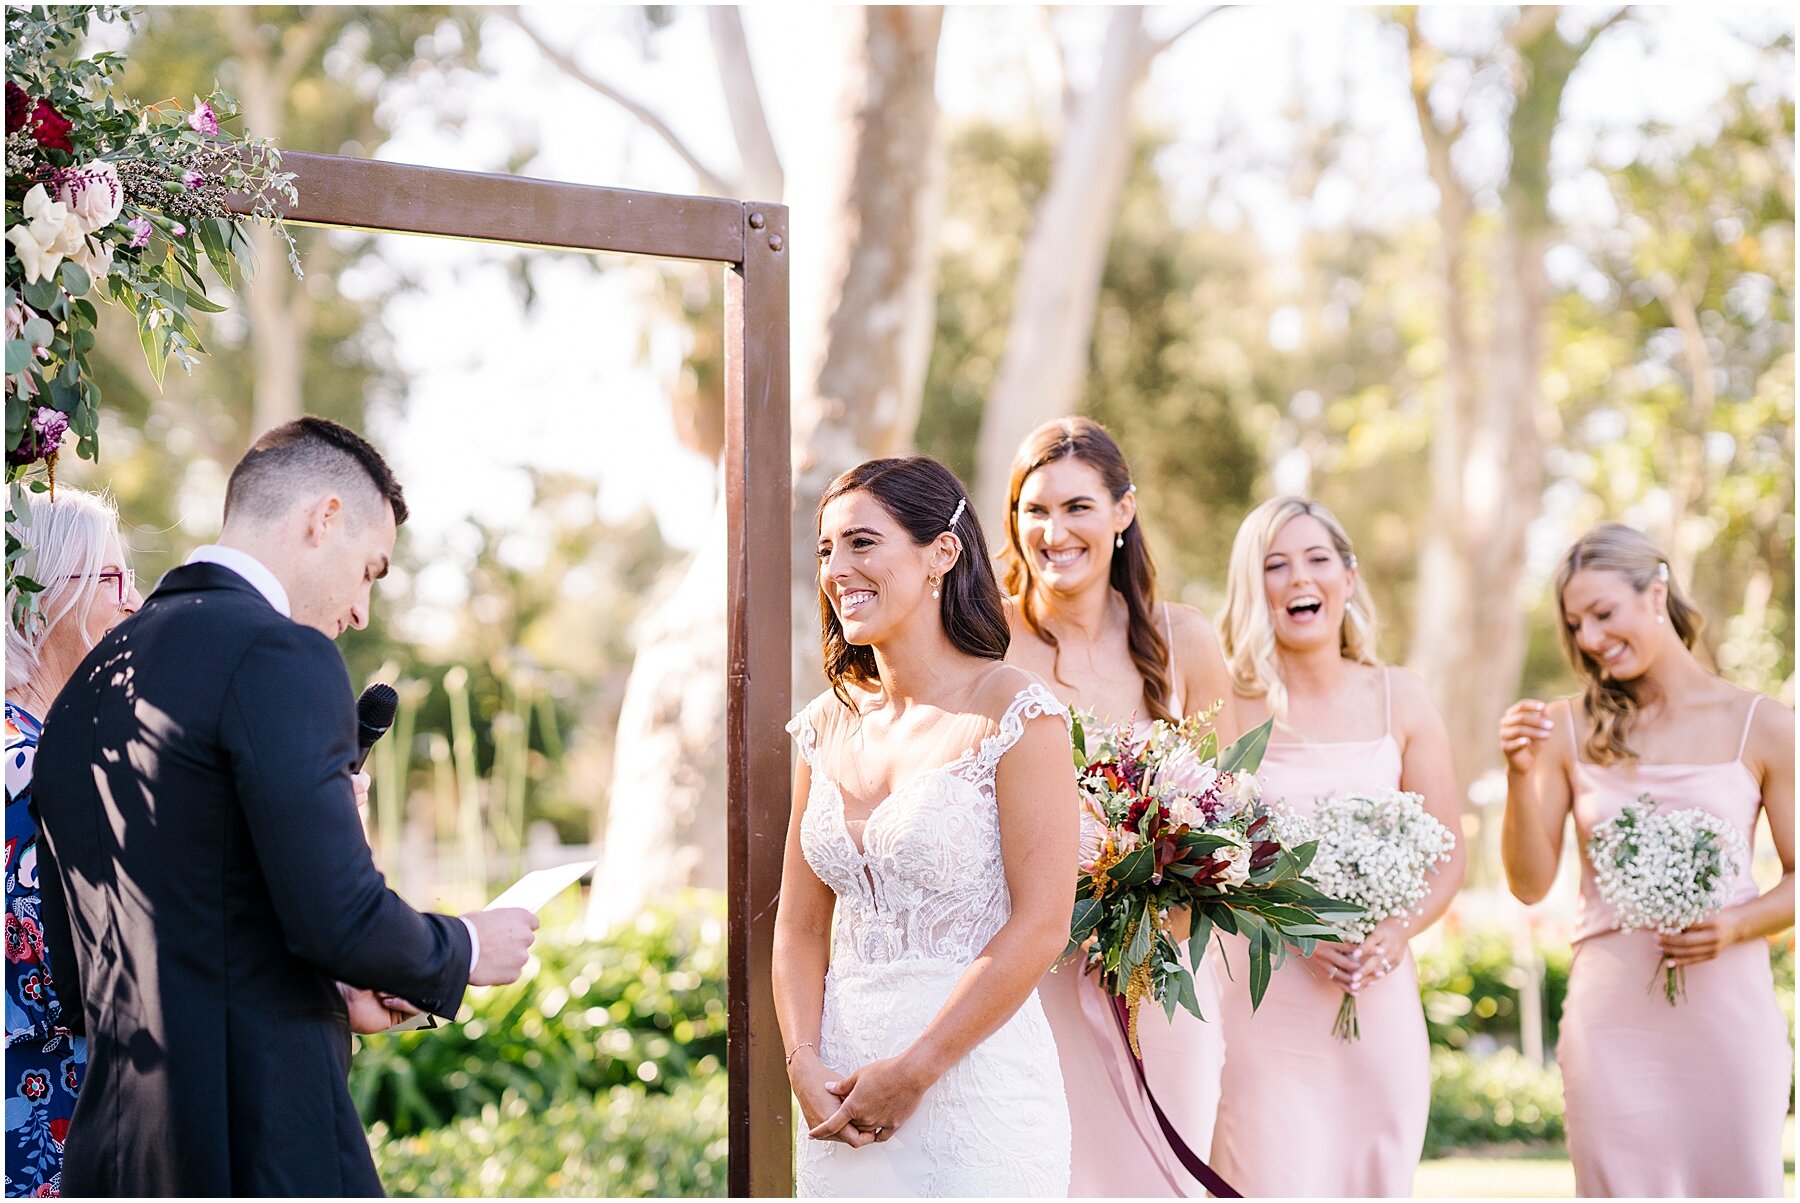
{"type": "Point", "coordinates": [797, 967]}
{"type": "Point", "coordinates": [1039, 834]}
{"type": "Point", "coordinates": [1535, 739]}
{"type": "Point", "coordinates": [1771, 749]}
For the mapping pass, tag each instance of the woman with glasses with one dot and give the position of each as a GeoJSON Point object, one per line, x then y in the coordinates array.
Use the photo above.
{"type": "Point", "coordinates": [73, 549]}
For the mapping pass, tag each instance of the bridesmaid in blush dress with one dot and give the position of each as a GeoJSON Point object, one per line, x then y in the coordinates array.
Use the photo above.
{"type": "Point", "coordinates": [1084, 618]}
{"type": "Point", "coordinates": [1302, 1113]}
{"type": "Point", "coordinates": [1689, 1099]}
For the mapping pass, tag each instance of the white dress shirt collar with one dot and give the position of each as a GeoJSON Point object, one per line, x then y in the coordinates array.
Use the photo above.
{"type": "Point", "coordinates": [248, 567]}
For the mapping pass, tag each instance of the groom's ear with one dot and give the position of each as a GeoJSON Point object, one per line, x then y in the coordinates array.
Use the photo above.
{"type": "Point", "coordinates": [322, 517]}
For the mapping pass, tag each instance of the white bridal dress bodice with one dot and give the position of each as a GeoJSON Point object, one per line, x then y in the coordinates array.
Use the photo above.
{"type": "Point", "coordinates": [915, 906]}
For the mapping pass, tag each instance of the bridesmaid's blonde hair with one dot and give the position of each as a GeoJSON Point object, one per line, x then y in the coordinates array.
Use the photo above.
{"type": "Point", "coordinates": [1246, 628]}
{"type": "Point", "coordinates": [1610, 705]}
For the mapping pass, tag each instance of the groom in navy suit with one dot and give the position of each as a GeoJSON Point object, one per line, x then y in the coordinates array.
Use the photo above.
{"type": "Point", "coordinates": [205, 876]}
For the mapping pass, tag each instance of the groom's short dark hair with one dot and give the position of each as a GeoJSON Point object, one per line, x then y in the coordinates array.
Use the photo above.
{"type": "Point", "coordinates": [302, 454]}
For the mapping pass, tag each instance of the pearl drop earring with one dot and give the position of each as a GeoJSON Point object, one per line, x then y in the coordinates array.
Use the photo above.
{"type": "Point", "coordinates": [933, 581]}
{"type": "Point", "coordinates": [1119, 539]}
{"type": "Point", "coordinates": [1659, 618]}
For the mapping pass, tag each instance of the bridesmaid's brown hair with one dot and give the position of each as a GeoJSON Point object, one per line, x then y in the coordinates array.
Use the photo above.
{"type": "Point", "coordinates": [1610, 705]}
{"type": "Point", "coordinates": [1133, 573]}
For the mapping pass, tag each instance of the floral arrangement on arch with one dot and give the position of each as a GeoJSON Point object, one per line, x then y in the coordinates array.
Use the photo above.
{"type": "Point", "coordinates": [108, 200]}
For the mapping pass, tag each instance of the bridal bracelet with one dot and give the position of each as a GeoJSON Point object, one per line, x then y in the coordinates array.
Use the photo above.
{"type": "Point", "coordinates": [797, 1048]}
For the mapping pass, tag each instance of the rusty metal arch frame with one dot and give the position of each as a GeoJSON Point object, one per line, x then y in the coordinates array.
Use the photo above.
{"type": "Point", "coordinates": [750, 240]}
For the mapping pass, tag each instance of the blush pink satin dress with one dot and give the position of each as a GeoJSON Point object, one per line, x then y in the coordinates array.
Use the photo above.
{"type": "Point", "coordinates": [1684, 1100]}
{"type": "Point", "coordinates": [1302, 1114]}
{"type": "Point", "coordinates": [1119, 1150]}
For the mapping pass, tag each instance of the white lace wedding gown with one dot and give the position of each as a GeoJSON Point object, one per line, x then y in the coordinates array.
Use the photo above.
{"type": "Point", "coordinates": [913, 911]}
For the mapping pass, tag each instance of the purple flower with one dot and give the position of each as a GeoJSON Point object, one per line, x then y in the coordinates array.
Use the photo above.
{"type": "Point", "coordinates": [193, 179]}
{"type": "Point", "coordinates": [177, 229]}
{"type": "Point", "coordinates": [204, 119]}
{"type": "Point", "coordinates": [49, 425]}
{"type": "Point", "coordinates": [140, 232]}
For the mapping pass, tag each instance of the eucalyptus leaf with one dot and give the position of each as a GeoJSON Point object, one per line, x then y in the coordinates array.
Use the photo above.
{"type": "Point", "coordinates": [41, 293]}
{"type": "Point", "coordinates": [1246, 753]}
{"type": "Point", "coordinates": [1086, 917]}
{"type": "Point", "coordinates": [75, 278]}
{"type": "Point", "coordinates": [18, 355]}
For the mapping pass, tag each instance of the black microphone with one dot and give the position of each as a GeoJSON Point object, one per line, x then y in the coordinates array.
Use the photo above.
{"type": "Point", "coordinates": [375, 711]}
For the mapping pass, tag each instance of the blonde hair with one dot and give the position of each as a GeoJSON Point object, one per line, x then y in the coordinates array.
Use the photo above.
{"type": "Point", "coordinates": [1610, 704]}
{"type": "Point", "coordinates": [67, 535]}
{"type": "Point", "coordinates": [1246, 628]}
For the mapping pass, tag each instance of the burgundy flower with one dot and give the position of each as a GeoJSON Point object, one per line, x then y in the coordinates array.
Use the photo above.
{"type": "Point", "coordinates": [59, 1131]}
{"type": "Point", "coordinates": [32, 987]}
{"type": "Point", "coordinates": [72, 1076]}
{"type": "Point", "coordinates": [34, 1085]}
{"type": "Point", "coordinates": [17, 106]}
{"type": "Point", "coordinates": [51, 128]}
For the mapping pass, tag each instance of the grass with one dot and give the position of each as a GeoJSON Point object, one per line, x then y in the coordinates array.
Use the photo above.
{"type": "Point", "coordinates": [1541, 1173]}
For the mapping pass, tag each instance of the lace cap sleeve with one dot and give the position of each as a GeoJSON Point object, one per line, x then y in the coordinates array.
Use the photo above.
{"type": "Point", "coordinates": [801, 728]}
{"type": "Point", "coordinates": [1033, 700]}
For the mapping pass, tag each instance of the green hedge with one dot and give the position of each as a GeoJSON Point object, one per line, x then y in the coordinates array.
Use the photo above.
{"type": "Point", "coordinates": [1470, 986]}
{"type": "Point", "coordinates": [626, 1143]}
{"type": "Point", "coordinates": [1492, 1100]}
{"type": "Point", "coordinates": [643, 1008]}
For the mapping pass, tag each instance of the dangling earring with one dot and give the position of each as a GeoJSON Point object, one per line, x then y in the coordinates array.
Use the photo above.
{"type": "Point", "coordinates": [1659, 618]}
{"type": "Point", "coordinates": [1119, 539]}
{"type": "Point", "coordinates": [932, 580]}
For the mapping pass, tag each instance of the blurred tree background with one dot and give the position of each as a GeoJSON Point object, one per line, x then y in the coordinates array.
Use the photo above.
{"type": "Point", "coordinates": [1494, 310]}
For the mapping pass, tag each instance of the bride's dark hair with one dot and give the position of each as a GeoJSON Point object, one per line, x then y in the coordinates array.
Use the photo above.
{"type": "Point", "coordinates": [922, 496]}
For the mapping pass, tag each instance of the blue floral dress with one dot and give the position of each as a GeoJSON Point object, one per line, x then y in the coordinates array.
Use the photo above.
{"type": "Point", "coordinates": [44, 1063]}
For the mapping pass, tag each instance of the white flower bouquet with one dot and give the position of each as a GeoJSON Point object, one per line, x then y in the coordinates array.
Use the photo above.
{"type": "Point", "coordinates": [1376, 849]}
{"type": "Point", "coordinates": [1665, 872]}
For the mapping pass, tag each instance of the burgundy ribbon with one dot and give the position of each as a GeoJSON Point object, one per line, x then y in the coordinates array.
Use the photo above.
{"type": "Point", "coordinates": [1190, 1161]}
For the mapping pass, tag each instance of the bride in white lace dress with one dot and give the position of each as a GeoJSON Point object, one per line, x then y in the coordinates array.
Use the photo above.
{"type": "Point", "coordinates": [934, 817]}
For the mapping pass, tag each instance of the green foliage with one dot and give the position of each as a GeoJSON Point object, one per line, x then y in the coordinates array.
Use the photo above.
{"type": "Point", "coordinates": [105, 197]}
{"type": "Point", "coordinates": [1492, 1100]}
{"type": "Point", "coordinates": [1470, 985]}
{"type": "Point", "coordinates": [624, 1143]}
{"type": "Point", "coordinates": [645, 1007]}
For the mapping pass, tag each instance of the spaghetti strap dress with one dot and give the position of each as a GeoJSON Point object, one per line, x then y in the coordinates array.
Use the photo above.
{"type": "Point", "coordinates": [1665, 1101]}
{"type": "Point", "coordinates": [1119, 1150]}
{"type": "Point", "coordinates": [1301, 1113]}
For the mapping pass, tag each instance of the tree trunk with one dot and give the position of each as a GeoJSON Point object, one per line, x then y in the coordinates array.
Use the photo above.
{"type": "Point", "coordinates": [857, 395]}
{"type": "Point", "coordinates": [863, 360]}
{"type": "Point", "coordinates": [278, 308]}
{"type": "Point", "coordinates": [1047, 340]}
{"type": "Point", "coordinates": [665, 814]}
{"type": "Point", "coordinates": [1486, 463]}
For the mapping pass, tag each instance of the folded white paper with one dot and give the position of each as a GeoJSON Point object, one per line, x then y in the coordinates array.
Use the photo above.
{"type": "Point", "coordinates": [534, 890]}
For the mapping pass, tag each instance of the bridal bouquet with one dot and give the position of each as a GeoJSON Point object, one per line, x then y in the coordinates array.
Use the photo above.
{"type": "Point", "coordinates": [1169, 821]}
{"type": "Point", "coordinates": [1374, 849]}
{"type": "Point", "coordinates": [1665, 872]}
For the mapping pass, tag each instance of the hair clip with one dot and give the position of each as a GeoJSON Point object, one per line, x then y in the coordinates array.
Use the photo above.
{"type": "Point", "coordinates": [961, 505]}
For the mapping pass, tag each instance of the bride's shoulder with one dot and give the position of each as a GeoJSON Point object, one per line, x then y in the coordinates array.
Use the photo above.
{"type": "Point", "coordinates": [826, 709]}
{"type": "Point", "coordinates": [1008, 689]}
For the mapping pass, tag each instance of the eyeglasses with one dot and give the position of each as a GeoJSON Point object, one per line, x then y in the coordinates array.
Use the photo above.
{"type": "Point", "coordinates": [124, 581]}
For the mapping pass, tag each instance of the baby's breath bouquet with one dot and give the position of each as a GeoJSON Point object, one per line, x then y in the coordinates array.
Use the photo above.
{"type": "Point", "coordinates": [1169, 821]}
{"type": "Point", "coordinates": [1665, 872]}
{"type": "Point", "coordinates": [1376, 849]}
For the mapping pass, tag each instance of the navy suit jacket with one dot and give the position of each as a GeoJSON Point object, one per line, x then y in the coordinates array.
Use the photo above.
{"type": "Point", "coordinates": [206, 883]}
